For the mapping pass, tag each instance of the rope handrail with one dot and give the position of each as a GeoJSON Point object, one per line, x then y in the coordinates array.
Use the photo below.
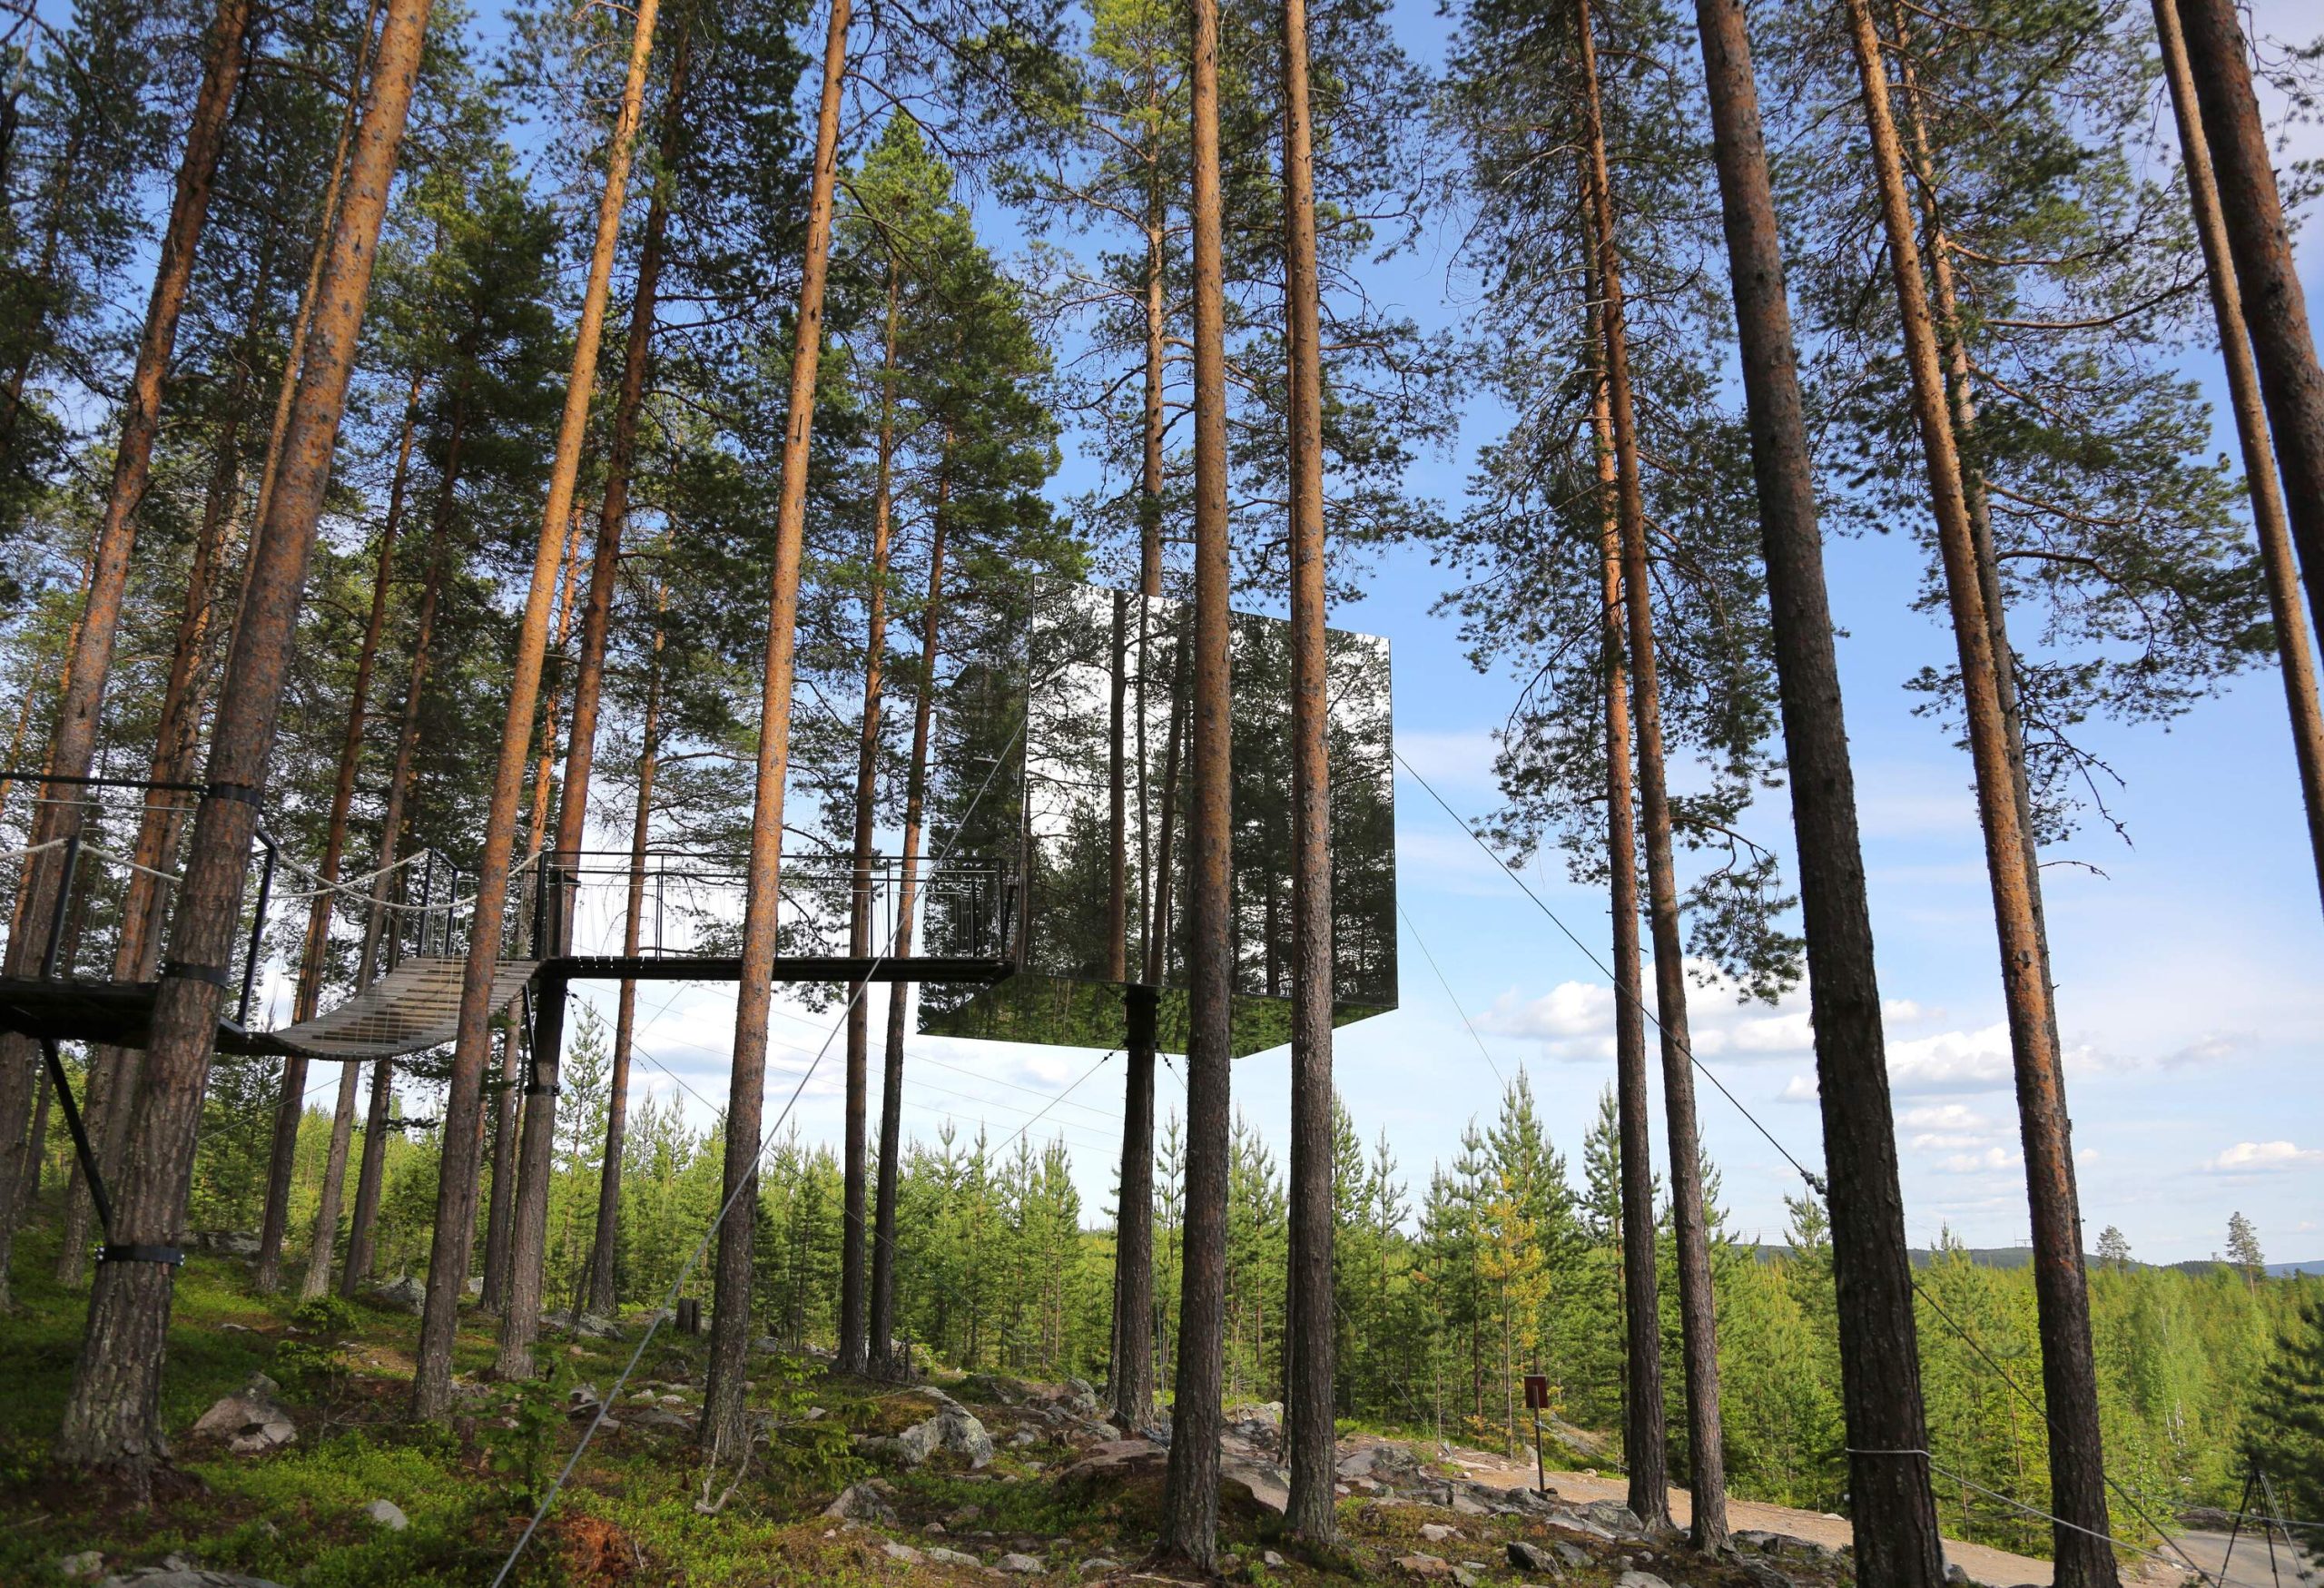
{"type": "Point", "coordinates": [129, 861]}
{"type": "Point", "coordinates": [31, 850]}
{"type": "Point", "coordinates": [350, 884]}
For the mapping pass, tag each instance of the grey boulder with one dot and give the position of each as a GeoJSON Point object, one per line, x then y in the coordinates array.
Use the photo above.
{"type": "Point", "coordinates": [954, 1428]}
{"type": "Point", "coordinates": [863, 1502]}
{"type": "Point", "coordinates": [1532, 1557]}
{"type": "Point", "coordinates": [406, 1295]}
{"type": "Point", "coordinates": [251, 1422]}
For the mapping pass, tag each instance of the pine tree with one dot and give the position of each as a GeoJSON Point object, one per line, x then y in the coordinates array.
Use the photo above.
{"type": "Point", "coordinates": [112, 1417]}
{"type": "Point", "coordinates": [2288, 1441]}
{"type": "Point", "coordinates": [2243, 1250]}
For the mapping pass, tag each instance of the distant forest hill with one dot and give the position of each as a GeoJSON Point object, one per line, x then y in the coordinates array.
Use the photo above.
{"type": "Point", "coordinates": [2019, 1256]}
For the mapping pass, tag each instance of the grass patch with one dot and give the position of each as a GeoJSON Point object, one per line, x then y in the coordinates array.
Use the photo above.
{"type": "Point", "coordinates": [634, 1513]}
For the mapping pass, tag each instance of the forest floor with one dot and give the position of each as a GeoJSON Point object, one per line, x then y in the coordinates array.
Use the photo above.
{"type": "Point", "coordinates": [850, 1483]}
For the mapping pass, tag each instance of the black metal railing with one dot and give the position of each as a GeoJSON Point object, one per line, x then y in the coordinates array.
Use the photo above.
{"type": "Point", "coordinates": [692, 905]}
{"type": "Point", "coordinates": [83, 886]}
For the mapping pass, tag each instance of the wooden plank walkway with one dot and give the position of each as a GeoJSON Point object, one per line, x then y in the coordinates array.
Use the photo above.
{"type": "Point", "coordinates": [412, 1007]}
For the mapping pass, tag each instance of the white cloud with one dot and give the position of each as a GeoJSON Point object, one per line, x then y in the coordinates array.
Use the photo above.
{"type": "Point", "coordinates": [2263, 1156]}
{"type": "Point", "coordinates": [1945, 1117]}
{"type": "Point", "coordinates": [2090, 1059]}
{"type": "Point", "coordinates": [1971, 1137]}
{"type": "Point", "coordinates": [1574, 1020]}
{"type": "Point", "coordinates": [1568, 1010]}
{"type": "Point", "coordinates": [1776, 1033]}
{"type": "Point", "coordinates": [1952, 1061]}
{"type": "Point", "coordinates": [1053, 1065]}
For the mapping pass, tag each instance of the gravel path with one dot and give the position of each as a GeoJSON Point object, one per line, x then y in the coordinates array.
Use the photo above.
{"type": "Point", "coordinates": [2249, 1568]}
{"type": "Point", "coordinates": [1996, 1567]}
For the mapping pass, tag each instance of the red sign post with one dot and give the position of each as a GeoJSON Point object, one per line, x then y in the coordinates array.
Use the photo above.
{"type": "Point", "coordinates": [1537, 1397]}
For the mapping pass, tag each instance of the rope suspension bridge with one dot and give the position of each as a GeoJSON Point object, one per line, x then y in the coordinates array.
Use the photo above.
{"type": "Point", "coordinates": [394, 941]}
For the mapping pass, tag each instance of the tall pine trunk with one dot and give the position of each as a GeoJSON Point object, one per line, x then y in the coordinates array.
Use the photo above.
{"type": "Point", "coordinates": [1960, 403]}
{"type": "Point", "coordinates": [724, 1434]}
{"type": "Point", "coordinates": [369, 1178]}
{"type": "Point", "coordinates": [281, 1167]}
{"type": "Point", "coordinates": [867, 789]}
{"type": "Point", "coordinates": [605, 567]}
{"type": "Point", "coordinates": [1699, 1328]}
{"type": "Point", "coordinates": [1130, 1377]}
{"type": "Point", "coordinates": [1310, 1334]}
{"type": "Point", "coordinates": [290, 1100]}
{"type": "Point", "coordinates": [294, 354]}
{"type": "Point", "coordinates": [2270, 523]}
{"type": "Point", "coordinates": [2077, 1472]}
{"type": "Point", "coordinates": [1643, 1447]}
{"type": "Point", "coordinates": [112, 1417]}
{"type": "Point", "coordinates": [1190, 1498]}
{"type": "Point", "coordinates": [447, 1261]}
{"type": "Point", "coordinates": [73, 740]}
{"type": "Point", "coordinates": [605, 1245]}
{"type": "Point", "coordinates": [525, 1161]}
{"type": "Point", "coordinates": [1642, 1433]}
{"type": "Point", "coordinates": [2275, 306]}
{"type": "Point", "coordinates": [282, 1159]}
{"type": "Point", "coordinates": [1895, 1511]}
{"type": "Point", "coordinates": [892, 1074]}
{"type": "Point", "coordinates": [114, 1071]}
{"type": "Point", "coordinates": [322, 1245]}
{"type": "Point", "coordinates": [503, 1112]}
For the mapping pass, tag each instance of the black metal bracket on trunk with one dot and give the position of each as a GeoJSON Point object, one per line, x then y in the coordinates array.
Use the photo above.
{"type": "Point", "coordinates": [96, 1182]}
{"type": "Point", "coordinates": [1141, 1007]}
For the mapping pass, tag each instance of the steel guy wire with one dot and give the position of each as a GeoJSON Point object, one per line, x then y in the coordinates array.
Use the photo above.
{"type": "Point", "coordinates": [1054, 1098]}
{"type": "Point", "coordinates": [2017, 1505]}
{"type": "Point", "coordinates": [942, 1091]}
{"type": "Point", "coordinates": [1814, 1181]}
{"type": "Point", "coordinates": [1457, 1009]}
{"type": "Point", "coordinates": [743, 1183]}
{"type": "Point", "coordinates": [1960, 1333]}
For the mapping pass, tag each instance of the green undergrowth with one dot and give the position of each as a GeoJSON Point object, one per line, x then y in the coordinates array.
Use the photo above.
{"type": "Point", "coordinates": [642, 1505]}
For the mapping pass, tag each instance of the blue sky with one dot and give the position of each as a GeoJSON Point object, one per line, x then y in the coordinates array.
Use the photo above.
{"type": "Point", "coordinates": [2188, 991]}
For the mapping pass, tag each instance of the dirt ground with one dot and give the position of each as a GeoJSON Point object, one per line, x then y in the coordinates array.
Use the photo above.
{"type": "Point", "coordinates": [1998, 1568]}
{"type": "Point", "coordinates": [2253, 1564]}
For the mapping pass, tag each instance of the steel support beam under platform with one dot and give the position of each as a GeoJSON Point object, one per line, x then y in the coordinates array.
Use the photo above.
{"type": "Point", "coordinates": [418, 1017]}
{"type": "Point", "coordinates": [841, 967]}
{"type": "Point", "coordinates": [119, 1013]}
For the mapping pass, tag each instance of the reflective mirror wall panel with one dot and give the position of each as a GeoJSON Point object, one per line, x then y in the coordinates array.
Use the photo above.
{"type": "Point", "coordinates": [1061, 755]}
